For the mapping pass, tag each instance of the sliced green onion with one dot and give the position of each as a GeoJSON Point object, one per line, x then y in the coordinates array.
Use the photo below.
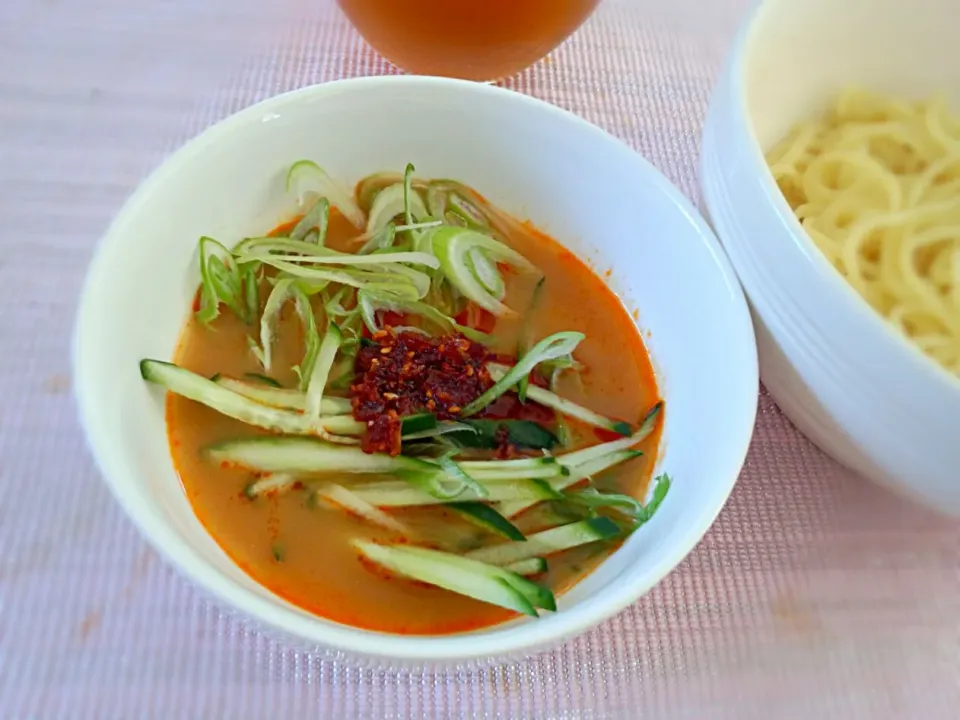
{"type": "Point", "coordinates": [460, 200]}
{"type": "Point", "coordinates": [465, 209]}
{"type": "Point", "coordinates": [369, 187]}
{"type": "Point", "coordinates": [321, 370]}
{"type": "Point", "coordinates": [298, 251]}
{"type": "Point", "coordinates": [436, 200]}
{"type": "Point", "coordinates": [409, 196]}
{"type": "Point", "coordinates": [453, 246]}
{"type": "Point", "coordinates": [487, 273]}
{"type": "Point", "coordinates": [284, 290]}
{"type": "Point", "coordinates": [381, 239]}
{"type": "Point", "coordinates": [306, 177]}
{"type": "Point", "coordinates": [316, 218]}
{"type": "Point", "coordinates": [220, 282]}
{"type": "Point", "coordinates": [524, 345]}
{"type": "Point", "coordinates": [370, 301]}
{"type": "Point", "coordinates": [567, 407]}
{"type": "Point", "coordinates": [251, 290]}
{"type": "Point", "coordinates": [389, 204]}
{"type": "Point", "coordinates": [561, 343]}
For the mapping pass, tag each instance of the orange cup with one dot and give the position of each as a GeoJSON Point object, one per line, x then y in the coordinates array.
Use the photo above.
{"type": "Point", "coordinates": [470, 39]}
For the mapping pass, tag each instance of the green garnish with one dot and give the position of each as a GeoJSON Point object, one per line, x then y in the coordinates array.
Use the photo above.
{"type": "Point", "coordinates": [315, 220]}
{"type": "Point", "coordinates": [556, 345]}
{"type": "Point", "coordinates": [482, 434]}
{"type": "Point", "coordinates": [258, 377]}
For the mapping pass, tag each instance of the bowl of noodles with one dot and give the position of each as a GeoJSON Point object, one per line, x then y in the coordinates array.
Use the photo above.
{"type": "Point", "coordinates": [831, 173]}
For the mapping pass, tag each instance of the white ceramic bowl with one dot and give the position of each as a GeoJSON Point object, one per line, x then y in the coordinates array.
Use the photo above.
{"type": "Point", "coordinates": [587, 189]}
{"type": "Point", "coordinates": [846, 378]}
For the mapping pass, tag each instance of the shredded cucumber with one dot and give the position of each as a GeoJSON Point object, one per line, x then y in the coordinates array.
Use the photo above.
{"type": "Point", "coordinates": [307, 455]}
{"type": "Point", "coordinates": [530, 566]}
{"type": "Point", "coordinates": [577, 474]}
{"type": "Point", "coordinates": [276, 482]}
{"type": "Point", "coordinates": [548, 541]}
{"type": "Point", "coordinates": [552, 346]}
{"type": "Point", "coordinates": [284, 398]}
{"type": "Point", "coordinates": [392, 493]}
{"type": "Point", "coordinates": [334, 494]}
{"type": "Point", "coordinates": [461, 575]}
{"type": "Point", "coordinates": [198, 388]}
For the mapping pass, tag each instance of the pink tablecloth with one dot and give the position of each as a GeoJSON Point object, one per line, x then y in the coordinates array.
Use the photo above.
{"type": "Point", "coordinates": [815, 595]}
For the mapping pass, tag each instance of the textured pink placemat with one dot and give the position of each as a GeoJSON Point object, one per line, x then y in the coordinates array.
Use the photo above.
{"type": "Point", "coordinates": [815, 595]}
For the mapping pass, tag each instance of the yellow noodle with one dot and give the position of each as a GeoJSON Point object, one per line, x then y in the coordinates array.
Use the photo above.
{"type": "Point", "coordinates": [876, 184]}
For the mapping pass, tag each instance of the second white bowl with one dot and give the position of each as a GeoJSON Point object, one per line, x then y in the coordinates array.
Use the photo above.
{"type": "Point", "coordinates": [847, 379]}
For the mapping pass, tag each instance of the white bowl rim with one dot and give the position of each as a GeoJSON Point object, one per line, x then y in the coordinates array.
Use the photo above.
{"type": "Point", "coordinates": [910, 351]}
{"type": "Point", "coordinates": [499, 641]}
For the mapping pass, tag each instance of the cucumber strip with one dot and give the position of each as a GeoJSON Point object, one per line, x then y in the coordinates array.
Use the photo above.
{"type": "Point", "coordinates": [530, 566]}
{"type": "Point", "coordinates": [523, 346]}
{"type": "Point", "coordinates": [457, 474]}
{"type": "Point", "coordinates": [277, 482]}
{"type": "Point", "coordinates": [466, 577]}
{"type": "Point", "coordinates": [548, 541]}
{"type": "Point", "coordinates": [580, 472]}
{"type": "Point", "coordinates": [316, 218]}
{"type": "Point", "coordinates": [552, 346]}
{"type": "Point", "coordinates": [389, 204]}
{"type": "Point", "coordinates": [342, 425]}
{"type": "Point", "coordinates": [488, 518]}
{"type": "Point", "coordinates": [345, 259]}
{"type": "Point", "coordinates": [283, 398]}
{"type": "Point", "coordinates": [527, 468]}
{"type": "Point", "coordinates": [579, 457]}
{"type": "Point", "coordinates": [305, 177]}
{"type": "Point", "coordinates": [338, 495]}
{"type": "Point", "coordinates": [509, 465]}
{"type": "Point", "coordinates": [198, 388]}
{"type": "Point", "coordinates": [309, 455]}
{"type": "Point", "coordinates": [321, 370]}
{"type": "Point", "coordinates": [542, 472]}
{"type": "Point", "coordinates": [393, 493]}
{"type": "Point", "coordinates": [567, 407]}
{"type": "Point", "coordinates": [259, 378]}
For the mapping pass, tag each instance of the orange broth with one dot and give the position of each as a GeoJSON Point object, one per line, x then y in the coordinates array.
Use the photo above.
{"type": "Point", "coordinates": [301, 551]}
